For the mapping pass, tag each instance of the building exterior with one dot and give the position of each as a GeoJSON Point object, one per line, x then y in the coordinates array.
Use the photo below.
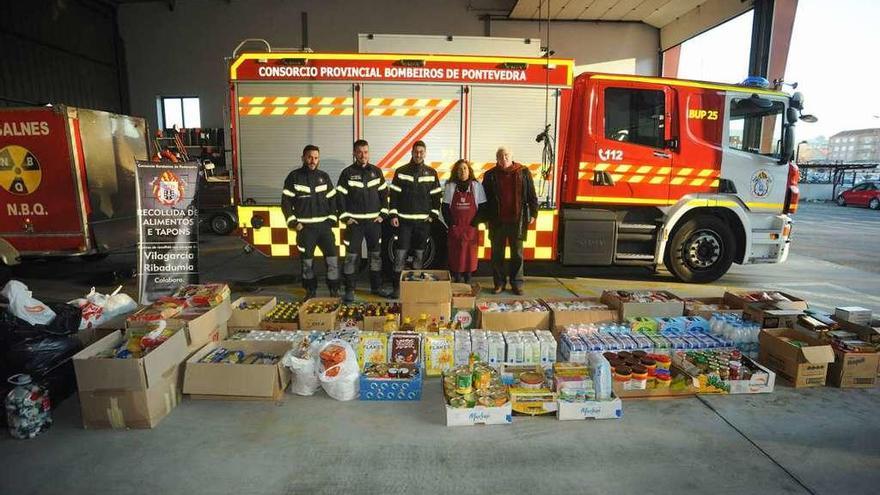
{"type": "Point", "coordinates": [861, 145]}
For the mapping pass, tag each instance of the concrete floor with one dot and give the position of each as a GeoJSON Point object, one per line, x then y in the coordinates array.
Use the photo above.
{"type": "Point", "coordinates": [808, 441]}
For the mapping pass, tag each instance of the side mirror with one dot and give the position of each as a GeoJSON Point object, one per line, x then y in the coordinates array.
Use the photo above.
{"type": "Point", "coordinates": [787, 145]}
{"type": "Point", "coordinates": [810, 119]}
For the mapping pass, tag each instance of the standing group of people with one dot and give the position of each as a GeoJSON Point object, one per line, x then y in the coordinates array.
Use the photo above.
{"type": "Point", "coordinates": [362, 200]}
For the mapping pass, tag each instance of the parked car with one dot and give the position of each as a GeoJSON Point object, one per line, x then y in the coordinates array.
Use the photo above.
{"type": "Point", "coordinates": [864, 194]}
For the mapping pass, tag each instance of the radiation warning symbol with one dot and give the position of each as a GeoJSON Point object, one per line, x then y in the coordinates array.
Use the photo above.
{"type": "Point", "coordinates": [19, 170]}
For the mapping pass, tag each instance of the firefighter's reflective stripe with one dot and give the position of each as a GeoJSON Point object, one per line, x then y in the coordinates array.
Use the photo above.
{"type": "Point", "coordinates": [373, 182]}
{"type": "Point", "coordinates": [539, 241]}
{"type": "Point", "coordinates": [395, 188]}
{"type": "Point", "coordinates": [436, 212]}
{"type": "Point", "coordinates": [392, 211]}
{"type": "Point", "coordinates": [317, 219]}
{"type": "Point", "coordinates": [384, 211]}
{"type": "Point", "coordinates": [354, 183]}
{"type": "Point", "coordinates": [426, 178]}
{"type": "Point", "coordinates": [301, 188]}
{"type": "Point", "coordinates": [383, 186]}
{"type": "Point", "coordinates": [414, 216]}
{"type": "Point", "coordinates": [291, 218]}
{"type": "Point", "coordinates": [331, 193]}
{"type": "Point", "coordinates": [437, 190]}
{"type": "Point", "coordinates": [406, 177]}
{"type": "Point", "coordinates": [342, 189]}
{"type": "Point", "coordinates": [321, 188]}
{"type": "Point", "coordinates": [288, 192]}
{"type": "Point", "coordinates": [360, 216]}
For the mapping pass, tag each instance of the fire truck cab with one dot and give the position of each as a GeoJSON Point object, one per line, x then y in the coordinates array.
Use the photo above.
{"type": "Point", "coordinates": [649, 171]}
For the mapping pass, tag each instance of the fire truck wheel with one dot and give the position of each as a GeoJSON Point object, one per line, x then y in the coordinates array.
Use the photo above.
{"type": "Point", "coordinates": [841, 201]}
{"type": "Point", "coordinates": [701, 250]}
{"type": "Point", "coordinates": [222, 224]}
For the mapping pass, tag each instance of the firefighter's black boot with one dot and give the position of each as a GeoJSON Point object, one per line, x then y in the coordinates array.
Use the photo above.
{"type": "Point", "coordinates": [350, 286]}
{"type": "Point", "coordinates": [311, 286]}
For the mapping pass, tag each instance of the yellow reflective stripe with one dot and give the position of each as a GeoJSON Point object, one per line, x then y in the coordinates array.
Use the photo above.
{"type": "Point", "coordinates": [395, 188]}
{"type": "Point", "coordinates": [384, 210]}
{"type": "Point", "coordinates": [352, 183]}
{"type": "Point", "coordinates": [316, 219]}
{"type": "Point", "coordinates": [362, 216]}
{"type": "Point", "coordinates": [644, 169]}
{"type": "Point", "coordinates": [691, 84]}
{"type": "Point", "coordinates": [640, 201]}
{"type": "Point", "coordinates": [435, 211]}
{"type": "Point", "coordinates": [426, 178]}
{"type": "Point", "coordinates": [288, 192]}
{"type": "Point", "coordinates": [383, 186]}
{"type": "Point", "coordinates": [373, 182]}
{"type": "Point", "coordinates": [331, 193]}
{"type": "Point", "coordinates": [406, 177]}
{"type": "Point", "coordinates": [706, 172]}
{"type": "Point", "coordinates": [413, 216]}
{"type": "Point", "coordinates": [602, 166]}
{"type": "Point", "coordinates": [684, 171]}
{"type": "Point", "coordinates": [291, 218]}
{"type": "Point", "coordinates": [437, 190]}
{"type": "Point", "coordinates": [342, 189]}
{"type": "Point", "coordinates": [393, 211]}
{"type": "Point", "coordinates": [322, 187]}
{"type": "Point", "coordinates": [300, 188]}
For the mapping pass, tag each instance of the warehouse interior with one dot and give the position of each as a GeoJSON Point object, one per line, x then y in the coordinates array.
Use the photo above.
{"type": "Point", "coordinates": [129, 56]}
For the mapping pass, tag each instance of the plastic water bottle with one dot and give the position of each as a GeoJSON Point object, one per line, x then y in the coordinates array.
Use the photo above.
{"type": "Point", "coordinates": [601, 375]}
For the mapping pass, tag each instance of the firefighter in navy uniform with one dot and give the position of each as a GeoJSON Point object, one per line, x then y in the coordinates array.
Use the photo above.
{"type": "Point", "coordinates": [415, 204]}
{"type": "Point", "coordinates": [363, 206]}
{"type": "Point", "coordinates": [309, 205]}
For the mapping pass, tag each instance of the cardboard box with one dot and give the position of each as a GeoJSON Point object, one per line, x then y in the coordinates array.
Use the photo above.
{"type": "Point", "coordinates": [120, 409]}
{"type": "Point", "coordinates": [761, 382]}
{"type": "Point", "coordinates": [869, 333]}
{"type": "Point", "coordinates": [241, 381]}
{"type": "Point", "coordinates": [696, 306]}
{"type": "Point", "coordinates": [803, 366]}
{"type": "Point", "coordinates": [513, 320]}
{"type": "Point", "coordinates": [479, 415]}
{"type": "Point", "coordinates": [854, 369]}
{"type": "Point", "coordinates": [376, 323]}
{"type": "Point", "coordinates": [439, 291]}
{"type": "Point", "coordinates": [854, 314]}
{"type": "Point", "coordinates": [250, 318]}
{"type": "Point", "coordinates": [766, 315]}
{"type": "Point", "coordinates": [202, 323]}
{"type": "Point", "coordinates": [559, 319]}
{"type": "Point", "coordinates": [318, 321]}
{"type": "Point", "coordinates": [592, 409]}
{"type": "Point", "coordinates": [413, 311]}
{"type": "Point", "coordinates": [626, 310]}
{"type": "Point", "coordinates": [275, 326]}
{"type": "Point", "coordinates": [127, 374]}
{"type": "Point", "coordinates": [739, 301]}
{"type": "Point", "coordinates": [464, 296]}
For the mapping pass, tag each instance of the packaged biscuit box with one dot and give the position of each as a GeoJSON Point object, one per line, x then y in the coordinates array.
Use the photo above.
{"type": "Point", "coordinates": [405, 347]}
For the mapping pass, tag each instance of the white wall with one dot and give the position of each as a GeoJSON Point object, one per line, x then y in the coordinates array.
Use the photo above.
{"type": "Point", "coordinates": [181, 52]}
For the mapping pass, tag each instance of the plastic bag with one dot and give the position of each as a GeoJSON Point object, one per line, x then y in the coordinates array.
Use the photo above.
{"type": "Point", "coordinates": [39, 356]}
{"type": "Point", "coordinates": [305, 375]}
{"type": "Point", "coordinates": [99, 308]}
{"type": "Point", "coordinates": [340, 380]}
{"type": "Point", "coordinates": [23, 305]}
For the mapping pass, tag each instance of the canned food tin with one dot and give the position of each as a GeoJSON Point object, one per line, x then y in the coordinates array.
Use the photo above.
{"type": "Point", "coordinates": [457, 402]}
{"type": "Point", "coordinates": [464, 382]}
{"type": "Point", "coordinates": [482, 379]}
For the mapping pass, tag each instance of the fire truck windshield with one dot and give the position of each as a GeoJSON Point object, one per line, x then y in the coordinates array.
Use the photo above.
{"type": "Point", "coordinates": [756, 127]}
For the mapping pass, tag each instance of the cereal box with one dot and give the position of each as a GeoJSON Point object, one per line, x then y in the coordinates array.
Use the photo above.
{"type": "Point", "coordinates": [439, 352]}
{"type": "Point", "coordinates": [373, 348]}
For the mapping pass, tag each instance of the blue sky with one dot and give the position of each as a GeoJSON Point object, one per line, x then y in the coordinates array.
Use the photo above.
{"type": "Point", "coordinates": [832, 58]}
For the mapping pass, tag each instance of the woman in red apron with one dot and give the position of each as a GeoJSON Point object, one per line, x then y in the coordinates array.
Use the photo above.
{"type": "Point", "coordinates": [462, 198]}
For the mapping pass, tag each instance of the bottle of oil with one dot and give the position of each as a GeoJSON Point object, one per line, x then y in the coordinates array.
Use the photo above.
{"type": "Point", "coordinates": [407, 325]}
{"type": "Point", "coordinates": [433, 327]}
{"type": "Point", "coordinates": [390, 324]}
{"type": "Point", "coordinates": [422, 323]}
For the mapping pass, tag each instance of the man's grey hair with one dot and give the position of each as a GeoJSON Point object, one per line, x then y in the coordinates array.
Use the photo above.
{"type": "Point", "coordinates": [503, 149]}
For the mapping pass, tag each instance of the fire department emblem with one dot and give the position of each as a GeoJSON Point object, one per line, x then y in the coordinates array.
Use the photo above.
{"type": "Point", "coordinates": [168, 188]}
{"type": "Point", "coordinates": [762, 181]}
{"type": "Point", "coordinates": [20, 172]}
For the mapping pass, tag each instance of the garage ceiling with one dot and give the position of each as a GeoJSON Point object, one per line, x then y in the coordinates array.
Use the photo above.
{"type": "Point", "coordinates": [657, 13]}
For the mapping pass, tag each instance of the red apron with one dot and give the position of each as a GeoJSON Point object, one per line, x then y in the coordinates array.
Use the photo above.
{"type": "Point", "coordinates": [462, 238]}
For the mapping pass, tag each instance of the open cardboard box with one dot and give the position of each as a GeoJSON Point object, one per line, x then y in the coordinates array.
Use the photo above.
{"type": "Point", "coordinates": [439, 291]}
{"type": "Point", "coordinates": [413, 311]}
{"type": "Point", "coordinates": [854, 369]}
{"type": "Point", "coordinates": [693, 306]}
{"type": "Point", "coordinates": [739, 301]}
{"type": "Point", "coordinates": [803, 366]}
{"type": "Point", "coordinates": [768, 316]}
{"type": "Point", "coordinates": [513, 320]}
{"type": "Point", "coordinates": [205, 324]}
{"type": "Point", "coordinates": [120, 409]}
{"type": "Point", "coordinates": [237, 381]}
{"type": "Point", "coordinates": [560, 319]}
{"type": "Point", "coordinates": [318, 321]}
{"type": "Point", "coordinates": [761, 382]}
{"type": "Point", "coordinates": [93, 373]}
{"type": "Point", "coordinates": [250, 318]}
{"type": "Point", "coordinates": [673, 307]}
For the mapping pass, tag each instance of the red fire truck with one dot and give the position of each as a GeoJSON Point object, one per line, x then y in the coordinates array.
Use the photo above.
{"type": "Point", "coordinates": [67, 182]}
{"type": "Point", "coordinates": [650, 171]}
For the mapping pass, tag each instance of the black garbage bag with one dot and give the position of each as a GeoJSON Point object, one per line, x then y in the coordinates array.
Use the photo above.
{"type": "Point", "coordinates": [14, 329]}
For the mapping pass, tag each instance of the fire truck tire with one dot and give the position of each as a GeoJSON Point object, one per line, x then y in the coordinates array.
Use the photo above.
{"type": "Point", "coordinates": [701, 250]}
{"type": "Point", "coordinates": [841, 201]}
{"type": "Point", "coordinates": [222, 224]}
{"type": "Point", "coordinates": [435, 253]}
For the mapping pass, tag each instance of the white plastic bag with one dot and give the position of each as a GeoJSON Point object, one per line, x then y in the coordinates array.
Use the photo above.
{"type": "Point", "coordinates": [98, 308]}
{"type": "Point", "coordinates": [344, 385]}
{"type": "Point", "coordinates": [305, 376]}
{"type": "Point", "coordinates": [23, 305]}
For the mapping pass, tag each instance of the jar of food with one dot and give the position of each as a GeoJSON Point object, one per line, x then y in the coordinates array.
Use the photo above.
{"type": "Point", "coordinates": [639, 354]}
{"type": "Point", "coordinates": [662, 380]}
{"type": "Point", "coordinates": [650, 365]}
{"type": "Point", "coordinates": [531, 379]}
{"type": "Point", "coordinates": [639, 379]}
{"type": "Point", "coordinates": [622, 374]}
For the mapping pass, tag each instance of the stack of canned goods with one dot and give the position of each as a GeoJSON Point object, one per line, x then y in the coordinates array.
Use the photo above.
{"type": "Point", "coordinates": [474, 385]}
{"type": "Point", "coordinates": [223, 355]}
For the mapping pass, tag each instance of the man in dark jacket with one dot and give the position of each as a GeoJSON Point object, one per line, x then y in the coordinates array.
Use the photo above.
{"type": "Point", "coordinates": [512, 205]}
{"type": "Point", "coordinates": [363, 206]}
{"type": "Point", "coordinates": [415, 203]}
{"type": "Point", "coordinates": [309, 205]}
